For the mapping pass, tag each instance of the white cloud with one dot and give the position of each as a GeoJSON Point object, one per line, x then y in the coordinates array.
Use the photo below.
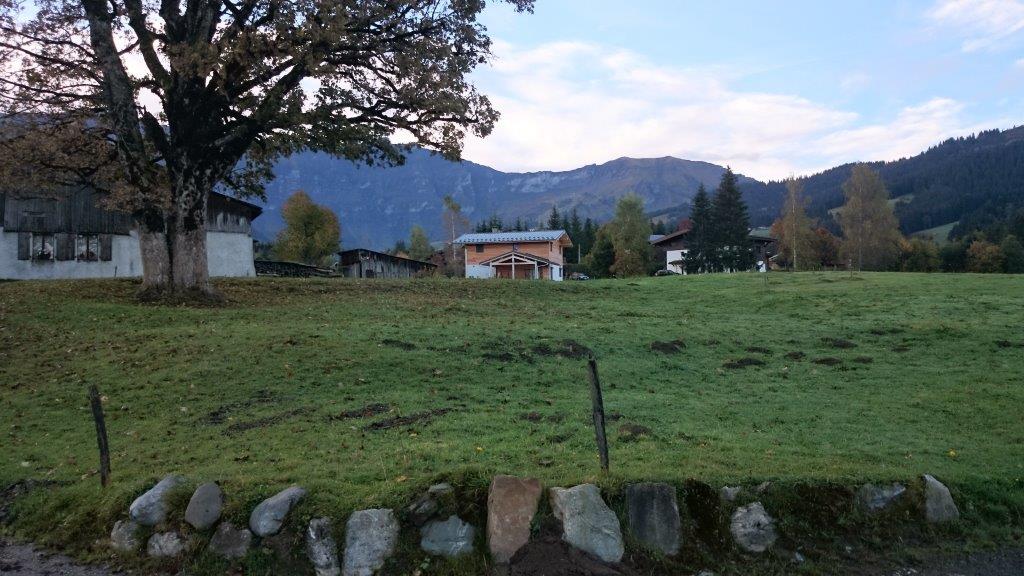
{"type": "Point", "coordinates": [986, 24]}
{"type": "Point", "coordinates": [569, 104]}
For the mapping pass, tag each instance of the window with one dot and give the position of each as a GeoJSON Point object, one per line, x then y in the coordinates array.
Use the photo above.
{"type": "Point", "coordinates": [87, 248]}
{"type": "Point", "coordinates": [479, 248]}
{"type": "Point", "coordinates": [42, 247]}
{"type": "Point", "coordinates": [515, 247]}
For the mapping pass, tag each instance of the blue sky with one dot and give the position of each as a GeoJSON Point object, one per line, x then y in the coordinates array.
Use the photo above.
{"type": "Point", "coordinates": [772, 88]}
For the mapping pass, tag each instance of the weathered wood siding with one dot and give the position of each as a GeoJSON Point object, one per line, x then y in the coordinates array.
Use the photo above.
{"type": "Point", "coordinates": [76, 212]}
{"type": "Point", "coordinates": [371, 264]}
{"type": "Point", "coordinates": [548, 250]}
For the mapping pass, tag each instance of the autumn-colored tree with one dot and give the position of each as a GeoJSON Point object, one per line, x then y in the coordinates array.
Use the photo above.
{"type": "Point", "coordinates": [191, 96]}
{"type": "Point", "coordinates": [311, 233]}
{"type": "Point", "coordinates": [826, 246]}
{"type": "Point", "coordinates": [419, 244]}
{"type": "Point", "coordinates": [455, 225]}
{"type": "Point", "coordinates": [794, 231]}
{"type": "Point", "coordinates": [630, 234]}
{"type": "Point", "coordinates": [984, 257]}
{"type": "Point", "coordinates": [871, 233]}
{"type": "Point", "coordinates": [919, 255]}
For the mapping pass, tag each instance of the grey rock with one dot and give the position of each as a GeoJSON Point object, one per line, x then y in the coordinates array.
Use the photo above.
{"type": "Point", "coordinates": [872, 498]}
{"type": "Point", "coordinates": [125, 536]}
{"type": "Point", "coordinates": [230, 542]}
{"type": "Point", "coordinates": [439, 490]}
{"type": "Point", "coordinates": [150, 509]}
{"type": "Point", "coordinates": [165, 545]}
{"type": "Point", "coordinates": [752, 528]}
{"type": "Point", "coordinates": [587, 522]}
{"type": "Point", "coordinates": [729, 493]}
{"type": "Point", "coordinates": [511, 505]}
{"type": "Point", "coordinates": [653, 516]}
{"type": "Point", "coordinates": [205, 507]}
{"type": "Point", "coordinates": [267, 517]}
{"type": "Point", "coordinates": [422, 510]}
{"type": "Point", "coordinates": [370, 538]}
{"type": "Point", "coordinates": [705, 573]}
{"type": "Point", "coordinates": [450, 538]}
{"type": "Point", "coordinates": [938, 502]}
{"type": "Point", "coordinates": [321, 548]}
{"type": "Point", "coordinates": [763, 487]}
{"type": "Point", "coordinates": [799, 558]}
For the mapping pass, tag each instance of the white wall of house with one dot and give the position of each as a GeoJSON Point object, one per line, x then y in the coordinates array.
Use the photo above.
{"type": "Point", "coordinates": [673, 256]}
{"type": "Point", "coordinates": [556, 273]}
{"type": "Point", "coordinates": [228, 254]}
{"type": "Point", "coordinates": [479, 271]}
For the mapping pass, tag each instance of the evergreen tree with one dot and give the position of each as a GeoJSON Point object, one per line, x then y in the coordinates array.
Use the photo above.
{"type": "Point", "coordinates": [588, 237]}
{"type": "Point", "coordinates": [730, 226]}
{"type": "Point", "coordinates": [519, 225]}
{"type": "Point", "coordinates": [871, 233]}
{"type": "Point", "coordinates": [554, 219]}
{"type": "Point", "coordinates": [1013, 255]}
{"type": "Point", "coordinates": [419, 244]}
{"type": "Point", "coordinates": [698, 257]}
{"type": "Point", "coordinates": [400, 247]}
{"type": "Point", "coordinates": [602, 255]}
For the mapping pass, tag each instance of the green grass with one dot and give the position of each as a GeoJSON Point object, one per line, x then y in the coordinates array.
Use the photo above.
{"type": "Point", "coordinates": [252, 394]}
{"type": "Point", "coordinates": [939, 233]}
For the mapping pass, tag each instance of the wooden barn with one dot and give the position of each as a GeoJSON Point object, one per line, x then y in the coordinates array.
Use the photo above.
{"type": "Point", "coordinates": [364, 263]}
{"type": "Point", "coordinates": [71, 235]}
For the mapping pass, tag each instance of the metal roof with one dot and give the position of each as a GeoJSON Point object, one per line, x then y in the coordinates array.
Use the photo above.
{"type": "Point", "coordinates": [507, 237]}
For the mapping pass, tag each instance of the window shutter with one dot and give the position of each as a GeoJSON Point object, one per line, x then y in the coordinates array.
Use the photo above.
{"type": "Point", "coordinates": [65, 246]}
{"type": "Point", "coordinates": [24, 245]}
{"type": "Point", "coordinates": [106, 247]}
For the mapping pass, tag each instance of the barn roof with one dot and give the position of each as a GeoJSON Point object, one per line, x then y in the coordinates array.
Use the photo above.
{"type": "Point", "coordinates": [509, 237]}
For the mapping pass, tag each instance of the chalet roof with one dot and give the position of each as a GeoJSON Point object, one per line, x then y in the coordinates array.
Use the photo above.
{"type": "Point", "coordinates": [355, 252]}
{"type": "Point", "coordinates": [523, 255]}
{"type": "Point", "coordinates": [684, 228]}
{"type": "Point", "coordinates": [763, 234]}
{"type": "Point", "coordinates": [510, 237]}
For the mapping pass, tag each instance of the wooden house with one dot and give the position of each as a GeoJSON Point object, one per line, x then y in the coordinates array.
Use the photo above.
{"type": "Point", "coordinates": [71, 235]}
{"type": "Point", "coordinates": [537, 255]}
{"type": "Point", "coordinates": [363, 263]}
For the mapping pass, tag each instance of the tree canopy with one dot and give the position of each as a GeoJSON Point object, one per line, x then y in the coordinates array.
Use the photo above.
{"type": "Point", "coordinates": [186, 97]}
{"type": "Point", "coordinates": [311, 234]}
{"type": "Point", "coordinates": [870, 231]}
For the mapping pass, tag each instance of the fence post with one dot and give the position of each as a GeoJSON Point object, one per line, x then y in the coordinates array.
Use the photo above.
{"type": "Point", "coordinates": [597, 404]}
{"type": "Point", "coordinates": [101, 434]}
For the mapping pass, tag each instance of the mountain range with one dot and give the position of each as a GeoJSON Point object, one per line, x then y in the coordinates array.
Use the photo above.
{"type": "Point", "coordinates": [960, 180]}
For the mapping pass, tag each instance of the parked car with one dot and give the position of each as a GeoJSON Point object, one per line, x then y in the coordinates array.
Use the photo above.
{"type": "Point", "coordinates": [578, 276]}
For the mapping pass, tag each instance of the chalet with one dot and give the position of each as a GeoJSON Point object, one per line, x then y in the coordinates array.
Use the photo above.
{"type": "Point", "coordinates": [528, 255]}
{"type": "Point", "coordinates": [71, 236]}
{"type": "Point", "coordinates": [363, 263]}
{"type": "Point", "coordinates": [677, 244]}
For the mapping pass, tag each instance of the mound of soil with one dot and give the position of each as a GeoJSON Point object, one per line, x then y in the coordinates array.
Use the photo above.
{"type": "Point", "coordinates": [863, 359]}
{"type": "Point", "coordinates": [239, 427]}
{"type": "Point", "coordinates": [398, 344]}
{"type": "Point", "coordinates": [743, 363]}
{"type": "Point", "coordinates": [364, 412]}
{"type": "Point", "coordinates": [418, 417]}
{"type": "Point", "coordinates": [796, 355]}
{"type": "Point", "coordinates": [633, 432]}
{"type": "Point", "coordinates": [565, 349]}
{"type": "Point", "coordinates": [531, 417]}
{"type": "Point", "coordinates": [759, 350]}
{"type": "Point", "coordinates": [839, 343]}
{"type": "Point", "coordinates": [671, 347]}
{"type": "Point", "coordinates": [550, 556]}
{"type": "Point", "coordinates": [901, 348]}
{"type": "Point", "coordinates": [827, 361]}
{"type": "Point", "coordinates": [1008, 344]}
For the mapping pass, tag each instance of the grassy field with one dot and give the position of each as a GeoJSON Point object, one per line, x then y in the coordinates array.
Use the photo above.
{"type": "Point", "coordinates": [365, 392]}
{"type": "Point", "coordinates": [939, 233]}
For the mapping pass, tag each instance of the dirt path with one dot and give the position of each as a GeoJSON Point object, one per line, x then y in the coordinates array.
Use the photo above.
{"type": "Point", "coordinates": [27, 560]}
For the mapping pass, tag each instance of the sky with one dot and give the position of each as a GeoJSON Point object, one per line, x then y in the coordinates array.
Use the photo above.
{"type": "Point", "coordinates": [772, 89]}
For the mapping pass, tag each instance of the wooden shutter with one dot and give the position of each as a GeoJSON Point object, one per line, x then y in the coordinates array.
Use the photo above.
{"type": "Point", "coordinates": [65, 246]}
{"type": "Point", "coordinates": [106, 247]}
{"type": "Point", "coordinates": [24, 245]}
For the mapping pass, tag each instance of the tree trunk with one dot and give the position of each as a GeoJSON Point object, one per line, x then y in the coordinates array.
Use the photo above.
{"type": "Point", "coordinates": [156, 255]}
{"type": "Point", "coordinates": [191, 276]}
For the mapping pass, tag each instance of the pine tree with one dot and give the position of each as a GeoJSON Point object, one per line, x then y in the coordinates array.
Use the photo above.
{"type": "Point", "coordinates": [554, 220]}
{"type": "Point", "coordinates": [575, 230]}
{"type": "Point", "coordinates": [1013, 255]}
{"type": "Point", "coordinates": [602, 255]}
{"type": "Point", "coordinates": [730, 226]}
{"type": "Point", "coordinates": [871, 233]}
{"type": "Point", "coordinates": [698, 257]}
{"type": "Point", "coordinates": [589, 236]}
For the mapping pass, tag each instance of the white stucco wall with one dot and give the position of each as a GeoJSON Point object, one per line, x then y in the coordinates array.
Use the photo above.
{"type": "Point", "coordinates": [556, 273]}
{"type": "Point", "coordinates": [673, 256]}
{"type": "Point", "coordinates": [228, 254]}
{"type": "Point", "coordinates": [478, 271]}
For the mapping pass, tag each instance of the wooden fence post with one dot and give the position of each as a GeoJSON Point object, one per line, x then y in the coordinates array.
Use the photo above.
{"type": "Point", "coordinates": [101, 434]}
{"type": "Point", "coordinates": [597, 403]}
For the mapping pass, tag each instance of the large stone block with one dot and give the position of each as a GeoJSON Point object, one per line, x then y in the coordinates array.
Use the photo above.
{"type": "Point", "coordinates": [150, 508]}
{"type": "Point", "coordinates": [587, 522]}
{"type": "Point", "coordinates": [205, 506]}
{"type": "Point", "coordinates": [370, 538]}
{"type": "Point", "coordinates": [752, 528]}
{"type": "Point", "coordinates": [511, 505]}
{"type": "Point", "coordinates": [267, 517]}
{"type": "Point", "coordinates": [653, 515]}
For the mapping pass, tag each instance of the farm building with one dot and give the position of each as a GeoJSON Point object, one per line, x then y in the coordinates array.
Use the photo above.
{"type": "Point", "coordinates": [363, 263]}
{"type": "Point", "coordinates": [536, 255]}
{"type": "Point", "coordinates": [675, 246]}
{"type": "Point", "coordinates": [70, 235]}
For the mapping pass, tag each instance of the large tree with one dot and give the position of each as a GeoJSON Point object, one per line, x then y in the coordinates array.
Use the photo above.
{"type": "Point", "coordinates": [794, 231]}
{"type": "Point", "coordinates": [189, 96]}
{"type": "Point", "coordinates": [699, 253]}
{"type": "Point", "coordinates": [871, 235]}
{"type": "Point", "coordinates": [311, 233]}
{"type": "Point", "coordinates": [731, 225]}
{"type": "Point", "coordinates": [419, 244]}
{"type": "Point", "coordinates": [630, 234]}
